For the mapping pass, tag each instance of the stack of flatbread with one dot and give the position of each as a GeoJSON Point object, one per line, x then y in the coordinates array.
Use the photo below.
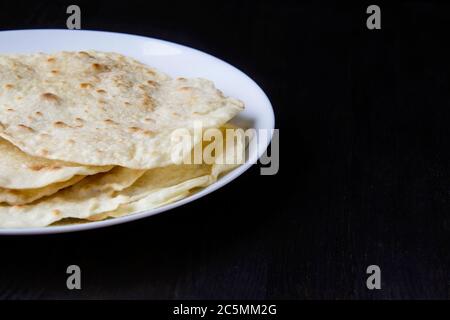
{"type": "Point", "coordinates": [88, 135]}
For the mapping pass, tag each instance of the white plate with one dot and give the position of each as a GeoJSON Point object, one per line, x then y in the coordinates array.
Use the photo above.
{"type": "Point", "coordinates": [174, 59]}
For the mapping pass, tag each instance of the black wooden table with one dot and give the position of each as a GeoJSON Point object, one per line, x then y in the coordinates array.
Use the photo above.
{"type": "Point", "coordinates": [364, 119]}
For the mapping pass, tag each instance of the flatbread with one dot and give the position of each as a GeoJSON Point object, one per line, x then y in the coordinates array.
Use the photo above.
{"type": "Point", "coordinates": [162, 186]}
{"type": "Point", "coordinates": [118, 192]}
{"type": "Point", "coordinates": [21, 171]}
{"type": "Point", "coordinates": [25, 196]}
{"type": "Point", "coordinates": [153, 190]}
{"type": "Point", "coordinates": [99, 109]}
{"type": "Point", "coordinates": [91, 195]}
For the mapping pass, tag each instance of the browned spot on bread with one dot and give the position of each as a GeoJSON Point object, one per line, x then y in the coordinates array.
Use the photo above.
{"type": "Point", "coordinates": [51, 60]}
{"type": "Point", "coordinates": [99, 67]}
{"type": "Point", "coordinates": [85, 85]}
{"type": "Point", "coordinates": [36, 167]}
{"type": "Point", "coordinates": [9, 86]}
{"type": "Point", "coordinates": [24, 127]}
{"type": "Point", "coordinates": [31, 118]}
{"type": "Point", "coordinates": [150, 72]}
{"type": "Point", "coordinates": [127, 103]}
{"type": "Point", "coordinates": [134, 129]}
{"type": "Point", "coordinates": [185, 89]}
{"type": "Point", "coordinates": [19, 98]}
{"type": "Point", "coordinates": [56, 212]}
{"type": "Point", "coordinates": [101, 91]}
{"type": "Point", "coordinates": [109, 121]}
{"type": "Point", "coordinates": [79, 119]}
{"type": "Point", "coordinates": [55, 71]}
{"type": "Point", "coordinates": [101, 101]}
{"type": "Point", "coordinates": [148, 133]}
{"type": "Point", "coordinates": [10, 110]}
{"type": "Point", "coordinates": [152, 83]}
{"type": "Point", "coordinates": [60, 124]}
{"type": "Point", "coordinates": [38, 113]}
{"type": "Point", "coordinates": [44, 135]}
{"type": "Point", "coordinates": [147, 101]}
{"type": "Point", "coordinates": [43, 152]}
{"type": "Point", "coordinates": [50, 97]}
{"type": "Point", "coordinates": [181, 79]}
{"type": "Point", "coordinates": [71, 141]}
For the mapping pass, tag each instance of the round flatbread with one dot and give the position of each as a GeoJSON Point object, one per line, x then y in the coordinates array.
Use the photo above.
{"type": "Point", "coordinates": [118, 192]}
{"type": "Point", "coordinates": [99, 109]}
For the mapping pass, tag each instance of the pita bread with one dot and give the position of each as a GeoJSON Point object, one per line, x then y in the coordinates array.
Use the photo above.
{"type": "Point", "coordinates": [118, 192]}
{"type": "Point", "coordinates": [96, 108]}
{"type": "Point", "coordinates": [20, 197]}
{"type": "Point", "coordinates": [21, 171]}
{"type": "Point", "coordinates": [94, 194]}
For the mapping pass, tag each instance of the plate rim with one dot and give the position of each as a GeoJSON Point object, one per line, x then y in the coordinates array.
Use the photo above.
{"type": "Point", "coordinates": [224, 180]}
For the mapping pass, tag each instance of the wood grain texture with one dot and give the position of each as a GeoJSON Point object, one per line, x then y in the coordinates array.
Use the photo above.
{"type": "Point", "coordinates": [364, 177]}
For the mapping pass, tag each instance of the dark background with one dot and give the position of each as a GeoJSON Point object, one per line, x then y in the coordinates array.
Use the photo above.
{"type": "Point", "coordinates": [364, 120]}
